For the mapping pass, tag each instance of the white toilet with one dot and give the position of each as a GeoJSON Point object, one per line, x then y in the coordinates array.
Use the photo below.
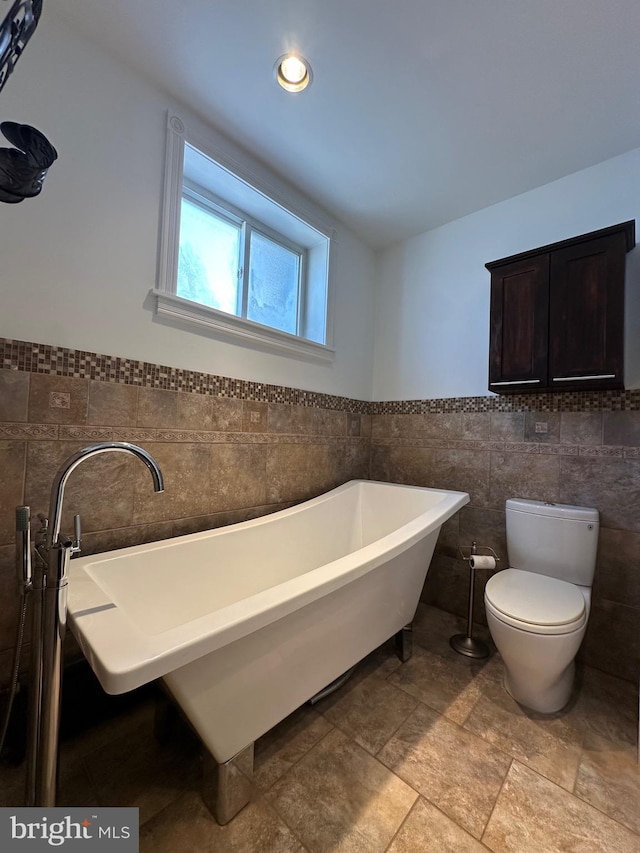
{"type": "Point", "coordinates": [537, 610]}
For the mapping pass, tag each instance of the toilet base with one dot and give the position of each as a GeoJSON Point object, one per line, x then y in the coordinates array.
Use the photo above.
{"type": "Point", "coordinates": [543, 698]}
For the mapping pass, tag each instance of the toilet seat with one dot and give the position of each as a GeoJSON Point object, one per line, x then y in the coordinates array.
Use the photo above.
{"type": "Point", "coordinates": [535, 603]}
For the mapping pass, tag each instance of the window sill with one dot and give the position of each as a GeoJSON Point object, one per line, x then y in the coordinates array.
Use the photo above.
{"type": "Point", "coordinates": [220, 323]}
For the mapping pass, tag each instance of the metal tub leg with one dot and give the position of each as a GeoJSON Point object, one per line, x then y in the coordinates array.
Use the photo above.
{"type": "Point", "coordinates": [404, 643]}
{"type": "Point", "coordinates": [227, 788]}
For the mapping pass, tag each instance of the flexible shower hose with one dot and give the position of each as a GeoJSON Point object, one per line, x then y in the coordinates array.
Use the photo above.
{"type": "Point", "coordinates": [13, 689]}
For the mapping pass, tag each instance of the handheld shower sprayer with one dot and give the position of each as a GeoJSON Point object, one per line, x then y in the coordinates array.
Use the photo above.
{"type": "Point", "coordinates": [23, 547]}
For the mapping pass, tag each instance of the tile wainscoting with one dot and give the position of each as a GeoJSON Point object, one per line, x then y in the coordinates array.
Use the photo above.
{"type": "Point", "coordinates": [589, 458]}
{"type": "Point", "coordinates": [232, 449]}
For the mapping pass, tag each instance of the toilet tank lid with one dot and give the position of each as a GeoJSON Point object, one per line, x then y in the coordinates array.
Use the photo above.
{"type": "Point", "coordinates": [578, 513]}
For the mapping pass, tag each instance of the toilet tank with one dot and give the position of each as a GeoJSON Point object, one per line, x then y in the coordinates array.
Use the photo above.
{"type": "Point", "coordinates": [557, 540]}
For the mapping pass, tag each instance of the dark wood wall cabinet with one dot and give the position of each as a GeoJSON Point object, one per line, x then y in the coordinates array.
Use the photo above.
{"type": "Point", "coordinates": [557, 315]}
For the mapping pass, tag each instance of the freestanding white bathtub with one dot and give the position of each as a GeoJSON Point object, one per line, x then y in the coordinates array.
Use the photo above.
{"type": "Point", "coordinates": [246, 623]}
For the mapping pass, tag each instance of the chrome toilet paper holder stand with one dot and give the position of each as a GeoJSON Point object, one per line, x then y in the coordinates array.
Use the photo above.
{"type": "Point", "coordinates": [467, 644]}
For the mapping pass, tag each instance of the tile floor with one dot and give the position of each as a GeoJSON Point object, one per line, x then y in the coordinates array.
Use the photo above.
{"type": "Point", "coordinates": [430, 755]}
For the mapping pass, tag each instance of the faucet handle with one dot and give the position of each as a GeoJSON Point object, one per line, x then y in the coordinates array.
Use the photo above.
{"type": "Point", "coordinates": [77, 529]}
{"type": "Point", "coordinates": [41, 532]}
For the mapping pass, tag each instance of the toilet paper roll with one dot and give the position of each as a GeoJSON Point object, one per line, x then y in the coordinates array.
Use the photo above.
{"type": "Point", "coordinates": [480, 562]}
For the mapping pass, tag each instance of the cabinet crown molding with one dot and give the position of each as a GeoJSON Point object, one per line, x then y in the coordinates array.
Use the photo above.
{"type": "Point", "coordinates": [627, 228]}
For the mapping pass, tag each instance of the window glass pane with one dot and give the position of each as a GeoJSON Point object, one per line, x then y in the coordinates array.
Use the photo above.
{"type": "Point", "coordinates": [273, 284]}
{"type": "Point", "coordinates": [208, 261]}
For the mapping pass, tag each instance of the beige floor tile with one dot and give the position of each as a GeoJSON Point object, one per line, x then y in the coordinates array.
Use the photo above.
{"type": "Point", "coordinates": [457, 771]}
{"type": "Point", "coordinates": [135, 722]}
{"type": "Point", "coordinates": [340, 799]}
{"type": "Point", "coordinates": [606, 705]}
{"type": "Point", "coordinates": [450, 685]}
{"type": "Point", "coordinates": [135, 770]}
{"type": "Point", "coordinates": [533, 815]}
{"type": "Point", "coordinates": [381, 663]}
{"type": "Point", "coordinates": [12, 782]}
{"type": "Point", "coordinates": [75, 786]}
{"type": "Point", "coordinates": [371, 712]}
{"type": "Point", "coordinates": [187, 826]}
{"type": "Point", "coordinates": [433, 628]}
{"type": "Point", "coordinates": [609, 779]}
{"type": "Point", "coordinates": [286, 743]}
{"type": "Point", "coordinates": [325, 791]}
{"type": "Point", "coordinates": [550, 744]}
{"type": "Point", "coordinates": [428, 829]}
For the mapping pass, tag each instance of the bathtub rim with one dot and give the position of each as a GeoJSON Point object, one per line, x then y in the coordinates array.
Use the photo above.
{"type": "Point", "coordinates": [123, 657]}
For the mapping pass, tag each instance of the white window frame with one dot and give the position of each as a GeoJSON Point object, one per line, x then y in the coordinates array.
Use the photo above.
{"type": "Point", "coordinates": [220, 324]}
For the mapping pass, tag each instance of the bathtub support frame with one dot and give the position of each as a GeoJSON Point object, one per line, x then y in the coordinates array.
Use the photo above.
{"type": "Point", "coordinates": [404, 642]}
{"type": "Point", "coordinates": [227, 788]}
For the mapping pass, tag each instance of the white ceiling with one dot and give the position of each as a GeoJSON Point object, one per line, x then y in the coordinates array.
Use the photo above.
{"type": "Point", "coordinates": [420, 111]}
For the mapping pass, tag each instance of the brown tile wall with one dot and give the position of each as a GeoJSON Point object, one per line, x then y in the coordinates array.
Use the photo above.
{"type": "Point", "coordinates": [232, 450]}
{"type": "Point", "coordinates": [589, 458]}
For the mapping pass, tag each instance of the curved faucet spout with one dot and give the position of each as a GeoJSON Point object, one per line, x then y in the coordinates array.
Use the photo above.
{"type": "Point", "coordinates": [60, 480]}
{"type": "Point", "coordinates": [49, 590]}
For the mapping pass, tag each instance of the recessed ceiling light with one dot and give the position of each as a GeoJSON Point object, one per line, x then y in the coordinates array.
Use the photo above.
{"type": "Point", "coordinates": [293, 72]}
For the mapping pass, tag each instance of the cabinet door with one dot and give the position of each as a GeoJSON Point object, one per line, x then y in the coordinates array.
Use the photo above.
{"type": "Point", "coordinates": [519, 325]}
{"type": "Point", "coordinates": [586, 322]}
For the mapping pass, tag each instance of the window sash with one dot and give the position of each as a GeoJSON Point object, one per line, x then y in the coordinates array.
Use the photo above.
{"type": "Point", "coordinates": [213, 215]}
{"type": "Point", "coordinates": [228, 213]}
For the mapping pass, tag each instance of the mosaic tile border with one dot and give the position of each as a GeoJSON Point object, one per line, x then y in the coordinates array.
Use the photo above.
{"type": "Point", "coordinates": [80, 364]}
{"type": "Point", "coordinates": [562, 401]}
{"type": "Point", "coordinates": [59, 361]}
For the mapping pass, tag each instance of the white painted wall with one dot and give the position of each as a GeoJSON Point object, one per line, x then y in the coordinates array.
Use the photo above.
{"type": "Point", "coordinates": [432, 293]}
{"type": "Point", "coordinates": [77, 263]}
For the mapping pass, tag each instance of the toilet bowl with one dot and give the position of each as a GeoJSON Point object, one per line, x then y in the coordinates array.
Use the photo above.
{"type": "Point", "coordinates": [538, 643]}
{"type": "Point", "coordinates": [537, 610]}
